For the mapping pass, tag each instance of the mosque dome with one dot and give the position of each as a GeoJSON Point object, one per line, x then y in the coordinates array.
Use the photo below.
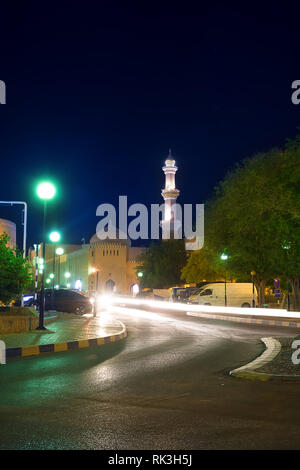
{"type": "Point", "coordinates": [111, 241]}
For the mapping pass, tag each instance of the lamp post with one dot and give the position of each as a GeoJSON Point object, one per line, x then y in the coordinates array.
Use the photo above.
{"type": "Point", "coordinates": [54, 237]}
{"type": "Point", "coordinates": [59, 251]}
{"type": "Point", "coordinates": [224, 257]}
{"type": "Point", "coordinates": [45, 191]}
{"type": "Point", "coordinates": [67, 276]}
{"type": "Point", "coordinates": [286, 247]}
{"type": "Point", "coordinates": [253, 290]}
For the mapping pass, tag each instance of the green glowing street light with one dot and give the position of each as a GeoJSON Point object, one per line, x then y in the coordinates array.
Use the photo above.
{"type": "Point", "coordinates": [54, 237]}
{"type": "Point", "coordinates": [67, 275]}
{"type": "Point", "coordinates": [48, 281]}
{"type": "Point", "coordinates": [140, 274]}
{"type": "Point", "coordinates": [51, 276]}
{"type": "Point", "coordinates": [46, 190]}
{"type": "Point", "coordinates": [224, 257]}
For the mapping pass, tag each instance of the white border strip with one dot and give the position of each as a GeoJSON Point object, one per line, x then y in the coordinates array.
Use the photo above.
{"type": "Point", "coordinates": [273, 348]}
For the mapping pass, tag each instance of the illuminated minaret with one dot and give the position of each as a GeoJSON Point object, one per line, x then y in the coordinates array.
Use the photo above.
{"type": "Point", "coordinates": [169, 193]}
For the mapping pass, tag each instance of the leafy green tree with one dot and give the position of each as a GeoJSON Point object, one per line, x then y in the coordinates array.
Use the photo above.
{"type": "Point", "coordinates": [15, 272]}
{"type": "Point", "coordinates": [162, 263]}
{"type": "Point", "coordinates": [202, 265]}
{"type": "Point", "coordinates": [254, 217]}
{"type": "Point", "coordinates": [288, 227]}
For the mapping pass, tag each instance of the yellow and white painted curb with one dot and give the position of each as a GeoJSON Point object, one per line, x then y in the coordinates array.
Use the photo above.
{"type": "Point", "coordinates": [249, 371]}
{"type": "Point", "coordinates": [67, 345]}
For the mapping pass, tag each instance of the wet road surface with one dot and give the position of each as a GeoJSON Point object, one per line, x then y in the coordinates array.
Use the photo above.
{"type": "Point", "coordinates": [165, 387]}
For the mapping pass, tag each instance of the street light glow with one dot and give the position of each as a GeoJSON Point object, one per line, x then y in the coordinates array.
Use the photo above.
{"type": "Point", "coordinates": [224, 257]}
{"type": "Point", "coordinates": [54, 237]}
{"type": "Point", "coordinates": [59, 251]}
{"type": "Point", "coordinates": [67, 275]}
{"type": "Point", "coordinates": [46, 190]}
{"type": "Point", "coordinates": [51, 276]}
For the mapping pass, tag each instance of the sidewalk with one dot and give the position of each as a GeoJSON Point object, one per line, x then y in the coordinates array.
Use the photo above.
{"type": "Point", "coordinates": [66, 333]}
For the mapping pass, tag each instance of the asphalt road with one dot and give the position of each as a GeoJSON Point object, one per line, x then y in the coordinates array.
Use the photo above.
{"type": "Point", "coordinates": [165, 387]}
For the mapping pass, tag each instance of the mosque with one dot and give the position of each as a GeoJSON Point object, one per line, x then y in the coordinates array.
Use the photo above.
{"type": "Point", "coordinates": [104, 265]}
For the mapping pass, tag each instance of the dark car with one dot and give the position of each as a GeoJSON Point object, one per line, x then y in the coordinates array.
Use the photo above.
{"type": "Point", "coordinates": [67, 300]}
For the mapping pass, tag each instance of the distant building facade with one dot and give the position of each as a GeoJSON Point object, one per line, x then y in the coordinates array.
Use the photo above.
{"type": "Point", "coordinates": [98, 266]}
{"type": "Point", "coordinates": [112, 265]}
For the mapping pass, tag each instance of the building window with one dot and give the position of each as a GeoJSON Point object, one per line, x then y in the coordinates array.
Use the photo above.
{"type": "Point", "coordinates": [114, 252]}
{"type": "Point", "coordinates": [103, 252]}
{"type": "Point", "coordinates": [117, 252]}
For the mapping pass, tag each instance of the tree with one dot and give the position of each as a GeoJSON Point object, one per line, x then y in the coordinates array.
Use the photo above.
{"type": "Point", "coordinates": [202, 265]}
{"type": "Point", "coordinates": [255, 214]}
{"type": "Point", "coordinates": [288, 205]}
{"type": "Point", "coordinates": [161, 264]}
{"type": "Point", "coordinates": [15, 272]}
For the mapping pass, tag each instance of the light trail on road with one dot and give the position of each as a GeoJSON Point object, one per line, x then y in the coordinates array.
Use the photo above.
{"type": "Point", "coordinates": [181, 307]}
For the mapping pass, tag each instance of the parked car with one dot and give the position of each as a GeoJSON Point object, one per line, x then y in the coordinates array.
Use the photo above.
{"type": "Point", "coordinates": [68, 300]}
{"type": "Point", "coordinates": [28, 300]}
{"type": "Point", "coordinates": [239, 294]}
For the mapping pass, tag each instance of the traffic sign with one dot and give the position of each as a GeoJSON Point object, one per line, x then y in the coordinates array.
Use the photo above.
{"type": "Point", "coordinates": [277, 293]}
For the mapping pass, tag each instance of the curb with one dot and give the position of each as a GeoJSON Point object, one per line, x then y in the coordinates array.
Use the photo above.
{"type": "Point", "coordinates": [248, 371]}
{"type": "Point", "coordinates": [256, 321]}
{"type": "Point", "coordinates": [66, 346]}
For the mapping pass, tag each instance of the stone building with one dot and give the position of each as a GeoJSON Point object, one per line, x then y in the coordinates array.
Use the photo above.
{"type": "Point", "coordinates": [112, 265]}
{"type": "Point", "coordinates": [98, 266]}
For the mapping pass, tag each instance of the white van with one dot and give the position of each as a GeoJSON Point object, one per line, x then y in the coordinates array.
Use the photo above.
{"type": "Point", "coordinates": [239, 294]}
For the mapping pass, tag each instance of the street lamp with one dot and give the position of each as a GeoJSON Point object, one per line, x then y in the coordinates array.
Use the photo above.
{"type": "Point", "coordinates": [224, 257]}
{"type": "Point", "coordinates": [67, 275]}
{"type": "Point", "coordinates": [253, 290]}
{"type": "Point", "coordinates": [140, 274]}
{"type": "Point", "coordinates": [45, 191]}
{"type": "Point", "coordinates": [59, 251]}
{"type": "Point", "coordinates": [286, 247]}
{"type": "Point", "coordinates": [54, 237]}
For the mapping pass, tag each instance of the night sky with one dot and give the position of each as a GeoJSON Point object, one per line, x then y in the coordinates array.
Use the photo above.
{"type": "Point", "coordinates": [97, 92]}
